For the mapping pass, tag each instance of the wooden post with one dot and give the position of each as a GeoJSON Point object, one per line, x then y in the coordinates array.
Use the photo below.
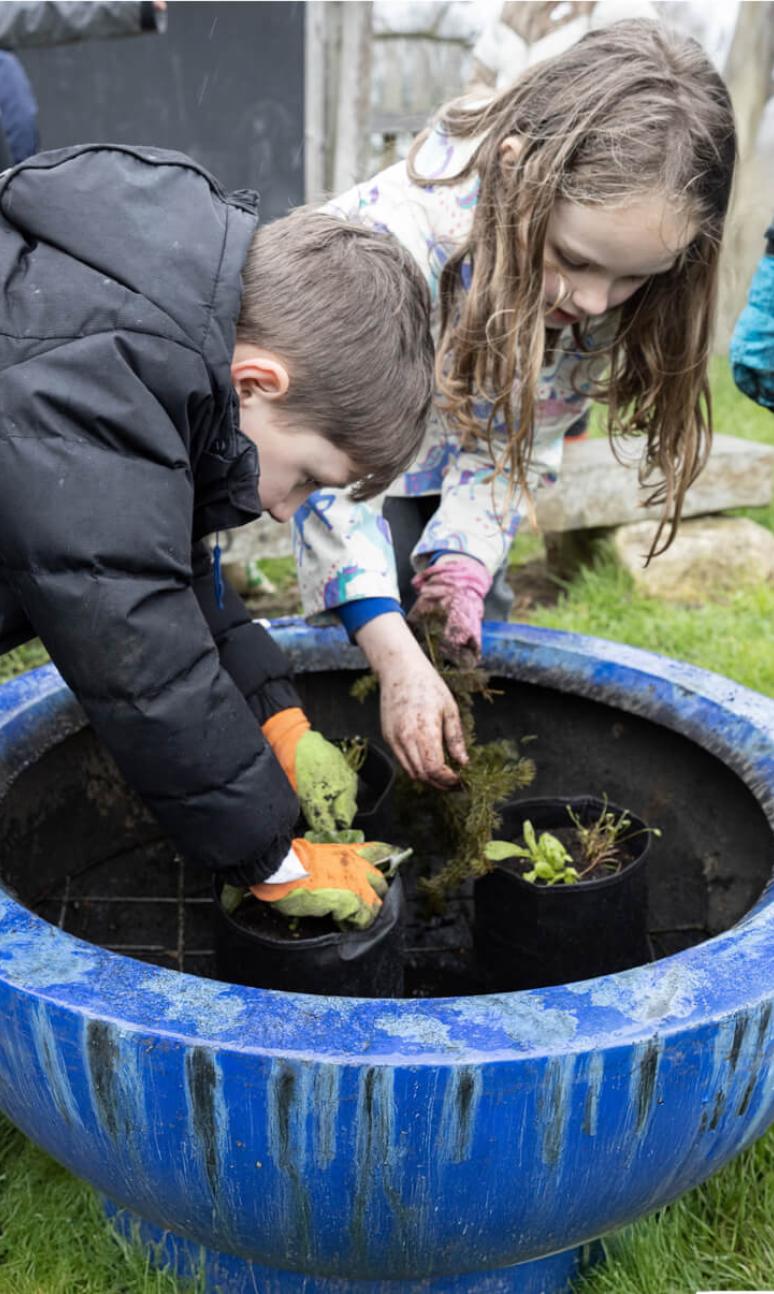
{"type": "Point", "coordinates": [316, 56]}
{"type": "Point", "coordinates": [353, 116]}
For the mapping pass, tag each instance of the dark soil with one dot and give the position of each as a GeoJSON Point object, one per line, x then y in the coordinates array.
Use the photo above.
{"type": "Point", "coordinates": [531, 581]}
{"type": "Point", "coordinates": [262, 919]}
{"type": "Point", "coordinates": [270, 606]}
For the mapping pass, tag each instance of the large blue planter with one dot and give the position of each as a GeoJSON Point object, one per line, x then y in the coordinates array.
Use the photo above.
{"type": "Point", "coordinates": [335, 1145]}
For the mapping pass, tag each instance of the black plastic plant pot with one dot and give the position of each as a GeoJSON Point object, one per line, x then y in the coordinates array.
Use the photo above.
{"type": "Point", "coordinates": [376, 780]}
{"type": "Point", "coordinates": [530, 936]}
{"type": "Point", "coordinates": [278, 955]}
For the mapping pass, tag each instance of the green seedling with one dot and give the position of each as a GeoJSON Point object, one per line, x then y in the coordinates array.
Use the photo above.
{"type": "Point", "coordinates": [600, 841]}
{"type": "Point", "coordinates": [551, 863]}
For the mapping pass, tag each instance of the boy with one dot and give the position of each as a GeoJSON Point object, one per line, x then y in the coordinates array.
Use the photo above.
{"type": "Point", "coordinates": [152, 340]}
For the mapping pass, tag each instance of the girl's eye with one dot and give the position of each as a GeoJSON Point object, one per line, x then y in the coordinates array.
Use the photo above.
{"type": "Point", "coordinates": [571, 264]}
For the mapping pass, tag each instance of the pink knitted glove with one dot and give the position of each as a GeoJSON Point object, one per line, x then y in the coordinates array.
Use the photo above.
{"type": "Point", "coordinates": [455, 589]}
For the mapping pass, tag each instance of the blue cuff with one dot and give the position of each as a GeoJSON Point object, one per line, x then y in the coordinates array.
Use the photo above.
{"type": "Point", "coordinates": [353, 615]}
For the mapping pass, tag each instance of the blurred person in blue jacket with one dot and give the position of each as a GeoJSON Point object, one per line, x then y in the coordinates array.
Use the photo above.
{"type": "Point", "coordinates": [752, 345]}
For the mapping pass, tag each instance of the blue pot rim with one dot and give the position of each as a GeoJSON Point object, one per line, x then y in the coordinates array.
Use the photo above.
{"type": "Point", "coordinates": [728, 974]}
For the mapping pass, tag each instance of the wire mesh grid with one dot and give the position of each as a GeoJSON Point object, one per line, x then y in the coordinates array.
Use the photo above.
{"type": "Point", "coordinates": [146, 903]}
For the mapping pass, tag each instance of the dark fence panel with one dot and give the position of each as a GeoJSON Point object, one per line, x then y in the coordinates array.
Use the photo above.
{"type": "Point", "coordinates": [225, 84]}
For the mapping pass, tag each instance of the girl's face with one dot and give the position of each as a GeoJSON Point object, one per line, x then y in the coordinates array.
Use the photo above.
{"type": "Point", "coordinates": [597, 257]}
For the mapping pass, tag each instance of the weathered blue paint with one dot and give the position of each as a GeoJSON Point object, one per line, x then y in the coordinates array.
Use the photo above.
{"type": "Point", "coordinates": [341, 1146]}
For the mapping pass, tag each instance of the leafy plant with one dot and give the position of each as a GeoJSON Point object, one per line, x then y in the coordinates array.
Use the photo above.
{"type": "Point", "coordinates": [551, 863]}
{"type": "Point", "coordinates": [599, 848]}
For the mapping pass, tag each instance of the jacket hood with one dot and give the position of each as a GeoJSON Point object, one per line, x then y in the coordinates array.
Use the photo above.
{"type": "Point", "coordinates": [127, 213]}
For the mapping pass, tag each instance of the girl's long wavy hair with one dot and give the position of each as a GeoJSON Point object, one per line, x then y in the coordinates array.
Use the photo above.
{"type": "Point", "coordinates": [631, 111]}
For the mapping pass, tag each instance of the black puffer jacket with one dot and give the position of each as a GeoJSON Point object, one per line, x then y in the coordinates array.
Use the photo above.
{"type": "Point", "coordinates": [119, 449]}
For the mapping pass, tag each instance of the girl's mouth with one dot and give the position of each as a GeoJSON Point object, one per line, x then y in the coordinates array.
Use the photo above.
{"type": "Point", "coordinates": [562, 318]}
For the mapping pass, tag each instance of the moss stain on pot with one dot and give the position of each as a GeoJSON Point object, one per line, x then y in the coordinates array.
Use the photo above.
{"type": "Point", "coordinates": [201, 1075]}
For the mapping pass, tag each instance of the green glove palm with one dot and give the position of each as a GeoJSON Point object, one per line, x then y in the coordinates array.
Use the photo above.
{"type": "Point", "coordinates": [316, 769]}
{"type": "Point", "coordinates": [326, 785]}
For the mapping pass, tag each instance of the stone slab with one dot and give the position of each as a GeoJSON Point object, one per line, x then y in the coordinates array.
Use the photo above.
{"type": "Point", "coordinates": [711, 557]}
{"type": "Point", "coordinates": [261, 538]}
{"type": "Point", "coordinates": [594, 490]}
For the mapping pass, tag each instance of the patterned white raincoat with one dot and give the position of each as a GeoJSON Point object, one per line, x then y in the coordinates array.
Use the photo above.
{"type": "Point", "coordinates": [343, 549]}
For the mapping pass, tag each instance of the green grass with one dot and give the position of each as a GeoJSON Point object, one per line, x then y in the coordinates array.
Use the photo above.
{"type": "Point", "coordinates": [718, 1237]}
{"type": "Point", "coordinates": [53, 1237]}
{"type": "Point", "coordinates": [732, 638]}
{"type": "Point", "coordinates": [732, 413]}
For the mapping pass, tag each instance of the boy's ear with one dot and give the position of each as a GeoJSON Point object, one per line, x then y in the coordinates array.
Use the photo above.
{"type": "Point", "coordinates": [259, 373]}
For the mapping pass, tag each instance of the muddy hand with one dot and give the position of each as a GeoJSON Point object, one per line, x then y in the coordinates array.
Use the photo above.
{"type": "Point", "coordinates": [421, 722]}
{"type": "Point", "coordinates": [420, 719]}
{"type": "Point", "coordinates": [453, 589]}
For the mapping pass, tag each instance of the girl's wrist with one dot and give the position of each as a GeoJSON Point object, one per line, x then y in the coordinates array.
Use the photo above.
{"type": "Point", "coordinates": [386, 640]}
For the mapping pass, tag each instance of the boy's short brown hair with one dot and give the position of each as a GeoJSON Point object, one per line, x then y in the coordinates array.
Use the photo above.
{"type": "Point", "coordinates": [348, 310]}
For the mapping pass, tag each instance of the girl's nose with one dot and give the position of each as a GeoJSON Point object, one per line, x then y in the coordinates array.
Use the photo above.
{"type": "Point", "coordinates": [591, 297]}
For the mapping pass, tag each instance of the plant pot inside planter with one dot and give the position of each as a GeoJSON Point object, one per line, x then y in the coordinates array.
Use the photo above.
{"type": "Point", "coordinates": [530, 935]}
{"type": "Point", "coordinates": [259, 947]}
{"type": "Point", "coordinates": [376, 784]}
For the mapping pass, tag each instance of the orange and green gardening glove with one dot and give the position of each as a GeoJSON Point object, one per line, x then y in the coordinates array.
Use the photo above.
{"type": "Point", "coordinates": [341, 882]}
{"type": "Point", "coordinates": [316, 769]}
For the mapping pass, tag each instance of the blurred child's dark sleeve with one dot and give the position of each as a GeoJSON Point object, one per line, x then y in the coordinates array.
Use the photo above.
{"type": "Point", "coordinates": [27, 23]}
{"type": "Point", "coordinates": [96, 502]}
{"type": "Point", "coordinates": [752, 345]}
{"type": "Point", "coordinates": [249, 654]}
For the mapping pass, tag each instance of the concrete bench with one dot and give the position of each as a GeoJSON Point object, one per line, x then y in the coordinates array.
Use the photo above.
{"type": "Point", "coordinates": [595, 494]}
{"type": "Point", "coordinates": [594, 490]}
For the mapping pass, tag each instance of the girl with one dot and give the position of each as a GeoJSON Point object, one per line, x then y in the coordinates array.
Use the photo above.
{"type": "Point", "coordinates": [569, 230]}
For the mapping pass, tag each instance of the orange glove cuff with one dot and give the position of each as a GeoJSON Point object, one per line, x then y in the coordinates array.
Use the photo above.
{"type": "Point", "coordinates": [283, 731]}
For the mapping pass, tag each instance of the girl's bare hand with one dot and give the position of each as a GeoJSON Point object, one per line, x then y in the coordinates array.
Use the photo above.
{"type": "Point", "coordinates": [420, 719]}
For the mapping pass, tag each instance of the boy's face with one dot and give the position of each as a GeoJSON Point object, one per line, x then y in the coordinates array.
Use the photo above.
{"type": "Point", "coordinates": [294, 461]}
